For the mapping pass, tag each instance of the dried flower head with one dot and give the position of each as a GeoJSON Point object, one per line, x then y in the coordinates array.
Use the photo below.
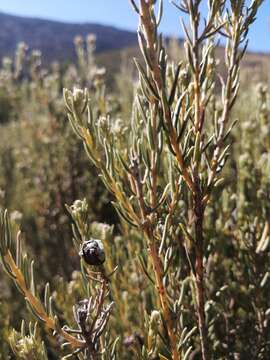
{"type": "Point", "coordinates": [93, 252]}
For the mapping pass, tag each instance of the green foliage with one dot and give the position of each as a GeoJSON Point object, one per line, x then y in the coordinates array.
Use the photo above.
{"type": "Point", "coordinates": [42, 166]}
{"type": "Point", "coordinates": [183, 273]}
{"type": "Point", "coordinates": [27, 346]}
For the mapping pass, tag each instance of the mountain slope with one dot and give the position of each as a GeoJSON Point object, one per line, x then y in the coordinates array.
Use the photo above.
{"type": "Point", "coordinates": [55, 39]}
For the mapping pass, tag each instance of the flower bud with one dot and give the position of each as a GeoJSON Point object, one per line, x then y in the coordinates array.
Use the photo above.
{"type": "Point", "coordinates": [93, 252]}
{"type": "Point", "coordinates": [155, 320]}
{"type": "Point", "coordinates": [78, 96]}
{"type": "Point", "coordinates": [78, 40]}
{"type": "Point", "coordinates": [79, 208]}
{"type": "Point", "coordinates": [91, 39]}
{"type": "Point", "coordinates": [184, 77]}
{"type": "Point", "coordinates": [76, 99]}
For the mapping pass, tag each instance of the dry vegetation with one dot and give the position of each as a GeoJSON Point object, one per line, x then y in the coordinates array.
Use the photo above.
{"type": "Point", "coordinates": [178, 267]}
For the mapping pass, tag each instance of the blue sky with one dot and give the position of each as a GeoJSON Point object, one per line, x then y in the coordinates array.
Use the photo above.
{"type": "Point", "coordinates": [120, 14]}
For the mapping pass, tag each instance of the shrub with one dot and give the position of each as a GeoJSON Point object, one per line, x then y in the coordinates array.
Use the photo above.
{"type": "Point", "coordinates": [185, 277]}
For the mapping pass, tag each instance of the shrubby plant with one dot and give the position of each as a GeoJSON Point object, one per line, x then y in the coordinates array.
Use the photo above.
{"type": "Point", "coordinates": [27, 346]}
{"type": "Point", "coordinates": [185, 274]}
{"type": "Point", "coordinates": [41, 163]}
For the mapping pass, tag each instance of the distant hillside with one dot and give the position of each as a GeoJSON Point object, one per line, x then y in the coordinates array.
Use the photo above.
{"type": "Point", "coordinates": [55, 39]}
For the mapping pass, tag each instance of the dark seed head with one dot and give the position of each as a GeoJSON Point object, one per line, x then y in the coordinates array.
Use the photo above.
{"type": "Point", "coordinates": [93, 252]}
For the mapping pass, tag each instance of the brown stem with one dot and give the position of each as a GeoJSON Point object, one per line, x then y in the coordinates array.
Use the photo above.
{"type": "Point", "coordinates": [198, 206]}
{"type": "Point", "coordinates": [163, 299]}
{"type": "Point", "coordinates": [157, 267]}
{"type": "Point", "coordinates": [232, 67]}
{"type": "Point", "coordinates": [199, 275]}
{"type": "Point", "coordinates": [153, 247]}
{"type": "Point", "coordinates": [147, 24]}
{"type": "Point", "coordinates": [36, 304]}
